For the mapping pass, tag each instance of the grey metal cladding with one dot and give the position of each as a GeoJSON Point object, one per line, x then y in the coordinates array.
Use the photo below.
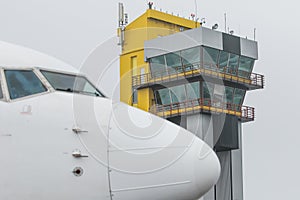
{"type": "Point", "coordinates": [211, 38]}
{"type": "Point", "coordinates": [171, 43]}
{"type": "Point", "coordinates": [231, 44]}
{"type": "Point", "coordinates": [183, 40]}
{"type": "Point", "coordinates": [229, 138]}
{"type": "Point", "coordinates": [200, 37]}
{"type": "Point", "coordinates": [249, 48]}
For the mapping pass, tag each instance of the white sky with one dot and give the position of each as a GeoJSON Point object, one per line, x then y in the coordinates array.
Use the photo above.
{"type": "Point", "coordinates": [70, 29]}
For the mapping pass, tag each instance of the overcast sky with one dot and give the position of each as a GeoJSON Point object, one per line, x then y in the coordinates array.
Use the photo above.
{"type": "Point", "coordinates": [71, 29]}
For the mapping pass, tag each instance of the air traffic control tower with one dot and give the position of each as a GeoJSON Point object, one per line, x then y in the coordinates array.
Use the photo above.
{"type": "Point", "coordinates": [195, 77]}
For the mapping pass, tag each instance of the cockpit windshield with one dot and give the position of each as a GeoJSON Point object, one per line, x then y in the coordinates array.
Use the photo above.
{"type": "Point", "coordinates": [71, 83]}
{"type": "Point", "coordinates": [23, 83]}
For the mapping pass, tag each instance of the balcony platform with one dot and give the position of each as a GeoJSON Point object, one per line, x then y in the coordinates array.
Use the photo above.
{"type": "Point", "coordinates": [196, 72]}
{"type": "Point", "coordinates": [244, 113]}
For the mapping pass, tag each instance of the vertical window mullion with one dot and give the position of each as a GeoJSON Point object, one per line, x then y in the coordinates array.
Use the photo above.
{"type": "Point", "coordinates": [218, 59]}
{"type": "Point", "coordinates": [228, 60]}
{"type": "Point", "coordinates": [166, 65]}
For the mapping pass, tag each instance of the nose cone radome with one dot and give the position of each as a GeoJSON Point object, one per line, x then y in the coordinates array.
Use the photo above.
{"type": "Point", "coordinates": [207, 169]}
{"type": "Point", "coordinates": [151, 158]}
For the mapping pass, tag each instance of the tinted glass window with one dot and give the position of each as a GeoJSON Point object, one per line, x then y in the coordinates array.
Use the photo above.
{"type": "Point", "coordinates": [134, 97]}
{"type": "Point", "coordinates": [210, 56]}
{"type": "Point", "coordinates": [163, 97]}
{"type": "Point", "coordinates": [239, 96]}
{"type": "Point", "coordinates": [245, 66]}
{"type": "Point", "coordinates": [1, 94]}
{"type": "Point", "coordinates": [23, 83]}
{"type": "Point", "coordinates": [173, 62]}
{"type": "Point", "coordinates": [71, 83]}
{"type": "Point", "coordinates": [158, 66]}
{"type": "Point", "coordinates": [223, 61]}
{"type": "Point", "coordinates": [191, 56]}
{"type": "Point", "coordinates": [178, 94]}
{"type": "Point", "coordinates": [229, 94]}
{"type": "Point", "coordinates": [207, 89]}
{"type": "Point", "coordinates": [233, 64]}
{"type": "Point", "coordinates": [193, 91]}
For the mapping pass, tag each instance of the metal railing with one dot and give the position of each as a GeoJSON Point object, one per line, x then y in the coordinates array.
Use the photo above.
{"type": "Point", "coordinates": [245, 113]}
{"type": "Point", "coordinates": [248, 113]}
{"type": "Point", "coordinates": [192, 70]}
{"type": "Point", "coordinates": [258, 80]}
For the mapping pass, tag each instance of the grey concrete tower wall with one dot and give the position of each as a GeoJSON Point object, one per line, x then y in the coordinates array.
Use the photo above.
{"type": "Point", "coordinates": [202, 126]}
{"type": "Point", "coordinates": [223, 187]}
{"type": "Point", "coordinates": [230, 185]}
{"type": "Point", "coordinates": [237, 168]}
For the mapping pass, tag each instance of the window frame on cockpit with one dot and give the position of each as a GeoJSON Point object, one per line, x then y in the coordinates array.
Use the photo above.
{"type": "Point", "coordinates": [101, 95]}
{"type": "Point", "coordinates": [3, 86]}
{"type": "Point", "coordinates": [46, 84]}
{"type": "Point", "coordinates": [6, 88]}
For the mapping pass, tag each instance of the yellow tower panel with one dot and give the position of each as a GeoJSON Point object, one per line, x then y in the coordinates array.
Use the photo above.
{"type": "Point", "coordinates": [125, 80]}
{"type": "Point", "coordinates": [150, 25]}
{"type": "Point", "coordinates": [171, 19]}
{"type": "Point", "coordinates": [145, 98]}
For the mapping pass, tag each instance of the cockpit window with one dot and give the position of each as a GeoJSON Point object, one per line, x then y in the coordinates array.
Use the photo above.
{"type": "Point", "coordinates": [1, 94]}
{"type": "Point", "coordinates": [71, 83]}
{"type": "Point", "coordinates": [23, 83]}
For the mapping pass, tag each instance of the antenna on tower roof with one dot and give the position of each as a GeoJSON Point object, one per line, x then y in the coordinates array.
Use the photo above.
{"type": "Point", "coordinates": [123, 17]}
{"type": "Point", "coordinates": [196, 9]}
{"type": "Point", "coordinates": [225, 19]}
{"type": "Point", "coordinates": [123, 21]}
{"type": "Point", "coordinates": [121, 14]}
{"type": "Point", "coordinates": [150, 4]}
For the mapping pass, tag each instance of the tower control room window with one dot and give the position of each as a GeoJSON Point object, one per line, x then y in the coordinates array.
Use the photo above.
{"type": "Point", "coordinates": [22, 83]}
{"type": "Point", "coordinates": [239, 95]}
{"type": "Point", "coordinates": [229, 94]}
{"type": "Point", "coordinates": [233, 64]}
{"type": "Point", "coordinates": [163, 97]}
{"type": "Point", "coordinates": [178, 94]}
{"type": "Point", "coordinates": [210, 57]}
{"type": "Point", "coordinates": [174, 62]}
{"type": "Point", "coordinates": [158, 66]}
{"type": "Point", "coordinates": [193, 91]}
{"type": "Point", "coordinates": [190, 57]}
{"type": "Point", "coordinates": [245, 66]}
{"type": "Point", "coordinates": [223, 61]}
{"type": "Point", "coordinates": [208, 89]}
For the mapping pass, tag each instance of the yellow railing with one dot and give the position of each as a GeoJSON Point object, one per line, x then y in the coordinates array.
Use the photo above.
{"type": "Point", "coordinates": [245, 113]}
{"type": "Point", "coordinates": [193, 70]}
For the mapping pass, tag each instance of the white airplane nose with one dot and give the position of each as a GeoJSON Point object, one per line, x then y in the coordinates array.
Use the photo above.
{"type": "Point", "coordinates": [207, 168]}
{"type": "Point", "coordinates": [151, 158]}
